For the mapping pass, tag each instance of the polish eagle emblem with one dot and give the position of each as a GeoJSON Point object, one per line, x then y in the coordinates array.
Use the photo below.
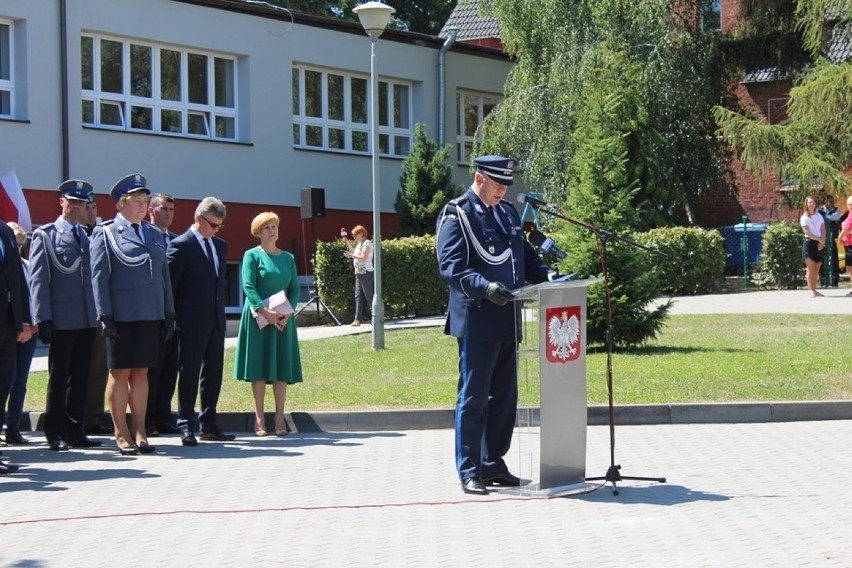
{"type": "Point", "coordinates": [563, 334]}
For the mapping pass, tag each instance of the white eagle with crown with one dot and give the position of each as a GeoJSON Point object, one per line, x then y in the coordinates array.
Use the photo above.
{"type": "Point", "coordinates": [563, 334]}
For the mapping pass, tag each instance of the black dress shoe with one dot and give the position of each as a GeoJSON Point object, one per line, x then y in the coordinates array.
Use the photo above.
{"type": "Point", "coordinates": [6, 468]}
{"type": "Point", "coordinates": [99, 430]}
{"type": "Point", "coordinates": [151, 431]}
{"type": "Point", "coordinates": [188, 439]}
{"type": "Point", "coordinates": [83, 442]}
{"type": "Point", "coordinates": [146, 448]}
{"type": "Point", "coordinates": [216, 435]}
{"type": "Point", "coordinates": [505, 480]}
{"type": "Point", "coordinates": [166, 428]}
{"type": "Point", "coordinates": [474, 487]}
{"type": "Point", "coordinates": [14, 438]}
{"type": "Point", "coordinates": [58, 445]}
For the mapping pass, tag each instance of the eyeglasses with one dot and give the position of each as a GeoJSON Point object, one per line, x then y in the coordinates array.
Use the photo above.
{"type": "Point", "coordinates": [214, 226]}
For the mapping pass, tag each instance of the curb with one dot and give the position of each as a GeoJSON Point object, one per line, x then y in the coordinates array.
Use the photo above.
{"type": "Point", "coordinates": [598, 415]}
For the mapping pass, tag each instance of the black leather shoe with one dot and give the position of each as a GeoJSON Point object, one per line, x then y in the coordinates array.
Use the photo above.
{"type": "Point", "coordinates": [146, 448]}
{"type": "Point", "coordinates": [128, 451]}
{"type": "Point", "coordinates": [99, 430]}
{"type": "Point", "coordinates": [216, 435]}
{"type": "Point", "coordinates": [474, 487]}
{"type": "Point", "coordinates": [505, 480]}
{"type": "Point", "coordinates": [188, 439]}
{"type": "Point", "coordinates": [166, 428]}
{"type": "Point", "coordinates": [14, 438]}
{"type": "Point", "coordinates": [6, 468]}
{"type": "Point", "coordinates": [58, 445]}
{"type": "Point", "coordinates": [83, 442]}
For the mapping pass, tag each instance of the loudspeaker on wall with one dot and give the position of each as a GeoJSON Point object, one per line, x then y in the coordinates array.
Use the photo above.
{"type": "Point", "coordinates": [313, 202]}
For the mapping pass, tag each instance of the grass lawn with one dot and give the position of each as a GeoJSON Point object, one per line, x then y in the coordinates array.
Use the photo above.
{"type": "Point", "coordinates": [697, 358]}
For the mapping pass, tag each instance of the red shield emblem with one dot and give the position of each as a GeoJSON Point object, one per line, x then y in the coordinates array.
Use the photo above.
{"type": "Point", "coordinates": [562, 334]}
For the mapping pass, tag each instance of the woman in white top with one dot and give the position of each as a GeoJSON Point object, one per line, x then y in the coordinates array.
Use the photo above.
{"type": "Point", "coordinates": [362, 259]}
{"type": "Point", "coordinates": [813, 248]}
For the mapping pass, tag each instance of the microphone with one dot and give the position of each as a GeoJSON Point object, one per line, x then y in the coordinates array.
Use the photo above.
{"type": "Point", "coordinates": [546, 244]}
{"type": "Point", "coordinates": [530, 200]}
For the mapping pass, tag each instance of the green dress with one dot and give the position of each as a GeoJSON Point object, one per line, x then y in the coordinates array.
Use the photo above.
{"type": "Point", "coordinates": [267, 354]}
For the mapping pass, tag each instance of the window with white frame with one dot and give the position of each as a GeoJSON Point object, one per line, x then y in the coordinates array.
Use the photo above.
{"type": "Point", "coordinates": [711, 16]}
{"type": "Point", "coordinates": [141, 87]}
{"type": "Point", "coordinates": [331, 111]}
{"type": "Point", "coordinates": [471, 110]}
{"type": "Point", "coordinates": [7, 76]}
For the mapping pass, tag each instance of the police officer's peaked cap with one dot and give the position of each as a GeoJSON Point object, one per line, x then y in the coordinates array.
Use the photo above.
{"type": "Point", "coordinates": [75, 189]}
{"type": "Point", "coordinates": [131, 183]}
{"type": "Point", "coordinates": [498, 168]}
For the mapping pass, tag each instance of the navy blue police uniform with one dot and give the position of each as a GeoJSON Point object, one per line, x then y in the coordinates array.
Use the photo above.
{"type": "Point", "coordinates": [475, 249]}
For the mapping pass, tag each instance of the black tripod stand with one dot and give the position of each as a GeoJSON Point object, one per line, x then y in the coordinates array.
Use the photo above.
{"type": "Point", "coordinates": [314, 292]}
{"type": "Point", "coordinates": [613, 473]}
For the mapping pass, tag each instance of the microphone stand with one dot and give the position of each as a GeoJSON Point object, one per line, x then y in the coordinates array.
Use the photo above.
{"type": "Point", "coordinates": [613, 473]}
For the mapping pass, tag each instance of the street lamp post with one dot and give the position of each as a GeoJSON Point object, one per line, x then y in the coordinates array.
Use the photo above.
{"type": "Point", "coordinates": [374, 18]}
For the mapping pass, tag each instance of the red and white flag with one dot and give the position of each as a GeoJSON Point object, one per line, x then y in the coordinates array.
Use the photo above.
{"type": "Point", "coordinates": [13, 205]}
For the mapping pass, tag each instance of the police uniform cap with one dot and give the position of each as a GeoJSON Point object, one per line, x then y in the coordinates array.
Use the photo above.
{"type": "Point", "coordinates": [129, 184]}
{"type": "Point", "coordinates": [75, 189]}
{"type": "Point", "coordinates": [498, 168]}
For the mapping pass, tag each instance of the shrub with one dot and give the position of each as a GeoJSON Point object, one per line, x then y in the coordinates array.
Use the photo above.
{"type": "Point", "coordinates": [411, 285]}
{"type": "Point", "coordinates": [694, 261]}
{"type": "Point", "coordinates": [781, 264]}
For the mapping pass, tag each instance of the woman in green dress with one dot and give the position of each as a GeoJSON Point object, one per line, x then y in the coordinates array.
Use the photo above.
{"type": "Point", "coordinates": [269, 355]}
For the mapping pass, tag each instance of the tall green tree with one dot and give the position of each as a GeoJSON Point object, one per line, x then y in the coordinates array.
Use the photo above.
{"type": "Point", "coordinates": [680, 76]}
{"type": "Point", "coordinates": [815, 144]}
{"type": "Point", "coordinates": [604, 188]}
{"type": "Point", "coordinates": [421, 16]}
{"type": "Point", "coordinates": [426, 184]}
{"type": "Point", "coordinates": [608, 108]}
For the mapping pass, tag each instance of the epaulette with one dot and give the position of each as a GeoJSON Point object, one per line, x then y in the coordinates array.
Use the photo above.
{"type": "Point", "coordinates": [460, 200]}
{"type": "Point", "coordinates": [107, 222]}
{"type": "Point", "coordinates": [46, 226]}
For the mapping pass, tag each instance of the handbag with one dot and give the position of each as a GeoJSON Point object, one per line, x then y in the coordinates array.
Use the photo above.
{"type": "Point", "coordinates": [277, 303]}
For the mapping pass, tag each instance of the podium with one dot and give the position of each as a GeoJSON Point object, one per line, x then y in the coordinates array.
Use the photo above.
{"type": "Point", "coordinates": [551, 440]}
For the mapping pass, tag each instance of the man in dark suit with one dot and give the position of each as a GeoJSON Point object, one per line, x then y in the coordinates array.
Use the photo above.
{"type": "Point", "coordinates": [483, 255]}
{"type": "Point", "coordinates": [61, 274]}
{"type": "Point", "coordinates": [14, 319]}
{"type": "Point", "coordinates": [163, 378]}
{"type": "Point", "coordinates": [197, 266]}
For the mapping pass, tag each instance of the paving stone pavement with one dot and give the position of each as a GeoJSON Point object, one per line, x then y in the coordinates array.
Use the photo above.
{"type": "Point", "coordinates": [737, 495]}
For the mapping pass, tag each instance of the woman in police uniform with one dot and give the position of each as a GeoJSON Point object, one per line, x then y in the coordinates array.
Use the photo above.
{"type": "Point", "coordinates": [133, 296]}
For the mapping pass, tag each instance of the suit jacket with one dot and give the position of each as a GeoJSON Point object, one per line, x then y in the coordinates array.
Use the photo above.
{"type": "Point", "coordinates": [474, 250]}
{"type": "Point", "coordinates": [13, 284]}
{"type": "Point", "coordinates": [131, 278]}
{"type": "Point", "coordinates": [61, 278]}
{"type": "Point", "coordinates": [199, 289]}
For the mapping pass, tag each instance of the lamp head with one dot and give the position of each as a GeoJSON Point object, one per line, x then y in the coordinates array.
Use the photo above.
{"type": "Point", "coordinates": [374, 17]}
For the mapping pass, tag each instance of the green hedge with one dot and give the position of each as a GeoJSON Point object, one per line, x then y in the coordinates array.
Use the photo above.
{"type": "Point", "coordinates": [411, 285]}
{"type": "Point", "coordinates": [694, 261]}
{"type": "Point", "coordinates": [781, 264]}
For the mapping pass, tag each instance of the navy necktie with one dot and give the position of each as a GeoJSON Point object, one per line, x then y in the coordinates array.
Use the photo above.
{"type": "Point", "coordinates": [210, 253]}
{"type": "Point", "coordinates": [495, 215]}
{"type": "Point", "coordinates": [76, 233]}
{"type": "Point", "coordinates": [136, 228]}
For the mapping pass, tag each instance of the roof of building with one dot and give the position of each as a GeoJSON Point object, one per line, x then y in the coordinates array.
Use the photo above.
{"type": "Point", "coordinates": [839, 49]}
{"type": "Point", "coordinates": [471, 25]}
{"type": "Point", "coordinates": [840, 45]}
{"type": "Point", "coordinates": [264, 9]}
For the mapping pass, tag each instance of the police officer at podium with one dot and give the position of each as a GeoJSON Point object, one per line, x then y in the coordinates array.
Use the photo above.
{"type": "Point", "coordinates": [483, 254]}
